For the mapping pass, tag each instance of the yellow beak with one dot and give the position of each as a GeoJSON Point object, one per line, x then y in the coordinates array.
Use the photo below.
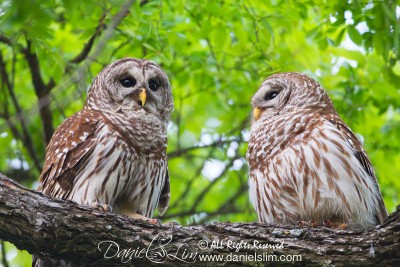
{"type": "Point", "coordinates": [256, 113]}
{"type": "Point", "coordinates": [142, 96]}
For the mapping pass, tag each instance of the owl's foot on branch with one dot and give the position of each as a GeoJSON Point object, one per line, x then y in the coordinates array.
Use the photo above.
{"type": "Point", "coordinates": [347, 225]}
{"type": "Point", "coordinates": [101, 207]}
{"type": "Point", "coordinates": [338, 225]}
{"type": "Point", "coordinates": [137, 216]}
{"type": "Point", "coordinates": [311, 223]}
{"type": "Point", "coordinates": [326, 223]}
{"type": "Point", "coordinates": [171, 223]}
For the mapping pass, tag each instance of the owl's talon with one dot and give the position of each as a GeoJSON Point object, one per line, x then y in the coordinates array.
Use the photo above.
{"type": "Point", "coordinates": [302, 223]}
{"type": "Point", "coordinates": [101, 207]}
{"type": "Point", "coordinates": [327, 223]}
{"type": "Point", "coordinates": [171, 223]}
{"type": "Point", "coordinates": [337, 225]}
{"type": "Point", "coordinates": [155, 222]}
{"type": "Point", "coordinates": [311, 223]}
{"type": "Point", "coordinates": [137, 216]}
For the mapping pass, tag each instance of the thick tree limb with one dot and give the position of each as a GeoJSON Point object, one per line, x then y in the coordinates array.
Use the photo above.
{"type": "Point", "coordinates": [63, 229]}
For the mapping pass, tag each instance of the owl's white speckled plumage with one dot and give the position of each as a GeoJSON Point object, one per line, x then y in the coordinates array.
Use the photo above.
{"type": "Point", "coordinates": [305, 163]}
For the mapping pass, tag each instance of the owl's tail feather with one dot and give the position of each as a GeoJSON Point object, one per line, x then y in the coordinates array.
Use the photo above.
{"type": "Point", "coordinates": [163, 202]}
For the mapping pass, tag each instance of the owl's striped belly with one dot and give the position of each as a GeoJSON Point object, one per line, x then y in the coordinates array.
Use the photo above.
{"type": "Point", "coordinates": [299, 183]}
{"type": "Point", "coordinates": [125, 180]}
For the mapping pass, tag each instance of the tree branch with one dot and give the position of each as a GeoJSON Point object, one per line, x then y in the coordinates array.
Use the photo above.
{"type": "Point", "coordinates": [26, 138]}
{"type": "Point", "coordinates": [211, 184]}
{"type": "Point", "coordinates": [88, 46]}
{"type": "Point", "coordinates": [182, 151]}
{"type": "Point", "coordinates": [42, 91]}
{"type": "Point", "coordinates": [225, 207]}
{"type": "Point", "coordinates": [3, 254]}
{"type": "Point", "coordinates": [84, 236]}
{"type": "Point", "coordinates": [5, 40]}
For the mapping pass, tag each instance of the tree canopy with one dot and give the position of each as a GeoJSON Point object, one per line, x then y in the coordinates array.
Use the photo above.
{"type": "Point", "coordinates": [216, 54]}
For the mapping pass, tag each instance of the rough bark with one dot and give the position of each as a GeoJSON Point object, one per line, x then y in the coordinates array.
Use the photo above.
{"type": "Point", "coordinates": [66, 230]}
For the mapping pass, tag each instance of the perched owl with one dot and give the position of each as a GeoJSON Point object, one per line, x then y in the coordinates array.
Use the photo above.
{"type": "Point", "coordinates": [305, 162]}
{"type": "Point", "coordinates": [113, 152]}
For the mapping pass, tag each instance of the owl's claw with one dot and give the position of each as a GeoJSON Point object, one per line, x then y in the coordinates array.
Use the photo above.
{"type": "Point", "coordinates": [311, 223]}
{"type": "Point", "coordinates": [326, 223]}
{"type": "Point", "coordinates": [101, 207]}
{"type": "Point", "coordinates": [338, 225]}
{"type": "Point", "coordinates": [137, 216]}
{"type": "Point", "coordinates": [171, 223]}
{"type": "Point", "coordinates": [153, 221]}
{"type": "Point", "coordinates": [302, 223]}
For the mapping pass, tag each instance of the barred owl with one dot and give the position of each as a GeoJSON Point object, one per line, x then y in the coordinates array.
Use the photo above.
{"type": "Point", "coordinates": [113, 152]}
{"type": "Point", "coordinates": [305, 162]}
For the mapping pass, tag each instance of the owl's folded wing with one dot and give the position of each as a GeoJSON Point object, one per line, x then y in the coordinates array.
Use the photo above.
{"type": "Point", "coordinates": [359, 153]}
{"type": "Point", "coordinates": [72, 142]}
{"type": "Point", "coordinates": [165, 195]}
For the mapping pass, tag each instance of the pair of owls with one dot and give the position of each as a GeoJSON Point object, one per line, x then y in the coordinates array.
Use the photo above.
{"type": "Point", "coordinates": [305, 163]}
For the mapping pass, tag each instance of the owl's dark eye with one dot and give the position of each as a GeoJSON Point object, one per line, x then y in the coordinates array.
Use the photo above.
{"type": "Point", "coordinates": [271, 95]}
{"type": "Point", "coordinates": [128, 82]}
{"type": "Point", "coordinates": [153, 85]}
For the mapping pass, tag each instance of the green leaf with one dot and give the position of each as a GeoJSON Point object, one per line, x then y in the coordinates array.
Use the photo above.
{"type": "Point", "coordinates": [354, 35]}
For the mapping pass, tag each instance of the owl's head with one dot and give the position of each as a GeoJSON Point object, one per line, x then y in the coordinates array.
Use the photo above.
{"type": "Point", "coordinates": [284, 92]}
{"type": "Point", "coordinates": [132, 86]}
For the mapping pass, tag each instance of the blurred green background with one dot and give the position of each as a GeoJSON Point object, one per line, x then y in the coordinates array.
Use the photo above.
{"type": "Point", "coordinates": [216, 54]}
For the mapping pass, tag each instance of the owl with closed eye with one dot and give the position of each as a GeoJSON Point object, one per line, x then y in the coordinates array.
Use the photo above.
{"type": "Point", "coordinates": [306, 165]}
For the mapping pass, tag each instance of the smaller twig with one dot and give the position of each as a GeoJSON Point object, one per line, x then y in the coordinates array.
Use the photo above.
{"type": "Point", "coordinates": [41, 89]}
{"type": "Point", "coordinates": [213, 55]}
{"type": "Point", "coordinates": [5, 40]}
{"type": "Point", "coordinates": [88, 46]}
{"type": "Point", "coordinates": [127, 42]}
{"type": "Point", "coordinates": [3, 253]}
{"type": "Point", "coordinates": [188, 186]}
{"type": "Point", "coordinates": [180, 152]}
{"type": "Point", "coordinates": [204, 192]}
{"type": "Point", "coordinates": [225, 207]}
{"type": "Point", "coordinates": [26, 137]}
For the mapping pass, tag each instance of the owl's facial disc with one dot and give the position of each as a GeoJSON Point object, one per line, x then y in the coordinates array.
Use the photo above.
{"type": "Point", "coordinates": [267, 99]}
{"type": "Point", "coordinates": [139, 93]}
{"type": "Point", "coordinates": [135, 88]}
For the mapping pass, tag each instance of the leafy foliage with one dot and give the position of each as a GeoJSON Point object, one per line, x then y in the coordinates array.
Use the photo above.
{"type": "Point", "coordinates": [216, 53]}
